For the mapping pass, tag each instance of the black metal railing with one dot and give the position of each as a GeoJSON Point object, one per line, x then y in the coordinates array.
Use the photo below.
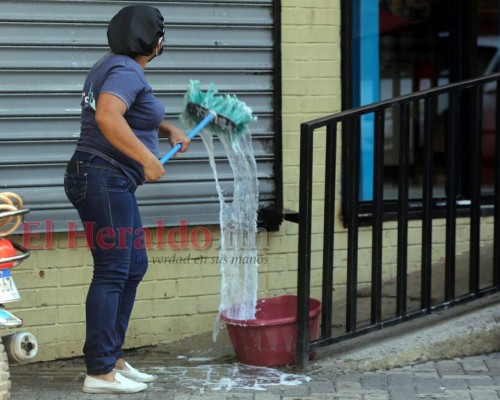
{"type": "Point", "coordinates": [373, 213]}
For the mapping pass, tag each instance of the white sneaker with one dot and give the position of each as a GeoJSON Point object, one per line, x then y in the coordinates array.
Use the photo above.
{"type": "Point", "coordinates": [120, 385]}
{"type": "Point", "coordinates": [131, 373]}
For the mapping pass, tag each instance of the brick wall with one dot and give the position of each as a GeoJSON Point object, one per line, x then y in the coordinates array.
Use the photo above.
{"type": "Point", "coordinates": [311, 89]}
{"type": "Point", "coordinates": [179, 297]}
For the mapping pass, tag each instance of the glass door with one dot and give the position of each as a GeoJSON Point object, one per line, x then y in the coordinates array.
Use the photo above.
{"type": "Point", "coordinates": [414, 42]}
{"type": "Point", "coordinates": [488, 62]}
{"type": "Point", "coordinates": [404, 46]}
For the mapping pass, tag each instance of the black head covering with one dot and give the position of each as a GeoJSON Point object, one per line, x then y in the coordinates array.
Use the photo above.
{"type": "Point", "coordinates": [135, 30]}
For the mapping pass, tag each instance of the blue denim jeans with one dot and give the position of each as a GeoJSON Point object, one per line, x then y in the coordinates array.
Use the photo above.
{"type": "Point", "coordinates": [105, 200]}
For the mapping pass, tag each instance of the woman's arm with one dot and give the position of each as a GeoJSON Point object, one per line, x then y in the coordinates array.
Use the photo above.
{"type": "Point", "coordinates": [109, 116]}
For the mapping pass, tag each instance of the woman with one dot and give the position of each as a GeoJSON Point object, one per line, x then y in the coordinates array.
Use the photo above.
{"type": "Point", "coordinates": [117, 151]}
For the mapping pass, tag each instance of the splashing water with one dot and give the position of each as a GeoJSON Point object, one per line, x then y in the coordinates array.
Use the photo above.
{"type": "Point", "coordinates": [238, 222]}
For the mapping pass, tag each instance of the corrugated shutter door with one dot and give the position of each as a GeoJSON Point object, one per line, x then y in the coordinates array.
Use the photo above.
{"type": "Point", "coordinates": [46, 48]}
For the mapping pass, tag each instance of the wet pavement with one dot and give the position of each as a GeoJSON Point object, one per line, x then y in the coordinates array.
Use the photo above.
{"type": "Point", "coordinates": [198, 369]}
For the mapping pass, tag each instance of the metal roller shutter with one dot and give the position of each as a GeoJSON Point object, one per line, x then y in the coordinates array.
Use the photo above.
{"type": "Point", "coordinates": [46, 48]}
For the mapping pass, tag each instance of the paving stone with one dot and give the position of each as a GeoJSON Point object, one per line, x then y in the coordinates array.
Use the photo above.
{"type": "Point", "coordinates": [302, 390]}
{"type": "Point", "coordinates": [266, 396]}
{"type": "Point", "coordinates": [485, 387]}
{"type": "Point", "coordinates": [484, 395]}
{"type": "Point", "coordinates": [493, 364]}
{"type": "Point", "coordinates": [426, 375]}
{"type": "Point", "coordinates": [455, 384]}
{"type": "Point", "coordinates": [240, 396]}
{"type": "Point", "coordinates": [347, 385]}
{"type": "Point", "coordinates": [321, 387]}
{"type": "Point", "coordinates": [458, 395]}
{"type": "Point", "coordinates": [378, 382]}
{"type": "Point", "coordinates": [463, 396]}
{"type": "Point", "coordinates": [380, 396]}
{"type": "Point", "coordinates": [479, 381]}
{"type": "Point", "coordinates": [424, 367]}
{"type": "Point", "coordinates": [298, 398]}
{"type": "Point", "coordinates": [402, 393]}
{"type": "Point", "coordinates": [483, 378]}
{"type": "Point", "coordinates": [428, 387]}
{"type": "Point", "coordinates": [474, 365]}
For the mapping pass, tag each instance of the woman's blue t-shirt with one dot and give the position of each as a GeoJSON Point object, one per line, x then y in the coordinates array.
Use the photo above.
{"type": "Point", "coordinates": [123, 77]}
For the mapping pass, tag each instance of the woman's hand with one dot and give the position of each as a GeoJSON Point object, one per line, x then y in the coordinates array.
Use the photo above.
{"type": "Point", "coordinates": [175, 136]}
{"type": "Point", "coordinates": [153, 169]}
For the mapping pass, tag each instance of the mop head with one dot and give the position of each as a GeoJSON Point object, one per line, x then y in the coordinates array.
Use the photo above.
{"type": "Point", "coordinates": [233, 115]}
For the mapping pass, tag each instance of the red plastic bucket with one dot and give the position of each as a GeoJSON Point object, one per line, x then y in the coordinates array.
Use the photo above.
{"type": "Point", "coordinates": [270, 338]}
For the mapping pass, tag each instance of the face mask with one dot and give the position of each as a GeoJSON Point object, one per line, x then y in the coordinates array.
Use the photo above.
{"type": "Point", "coordinates": [160, 42]}
{"type": "Point", "coordinates": [158, 52]}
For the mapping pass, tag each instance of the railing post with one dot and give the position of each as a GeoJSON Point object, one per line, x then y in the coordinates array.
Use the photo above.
{"type": "Point", "coordinates": [329, 230]}
{"type": "Point", "coordinates": [403, 186]}
{"type": "Point", "coordinates": [451, 195]}
{"type": "Point", "coordinates": [475, 204]}
{"type": "Point", "coordinates": [378, 210]}
{"type": "Point", "coordinates": [353, 159]}
{"type": "Point", "coordinates": [304, 246]}
{"type": "Point", "coordinates": [426, 274]}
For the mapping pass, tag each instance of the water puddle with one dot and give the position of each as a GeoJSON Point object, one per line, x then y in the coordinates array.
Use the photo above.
{"type": "Point", "coordinates": [214, 378]}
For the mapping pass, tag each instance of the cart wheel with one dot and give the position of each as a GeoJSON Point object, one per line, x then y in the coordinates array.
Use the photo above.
{"type": "Point", "coordinates": [4, 374]}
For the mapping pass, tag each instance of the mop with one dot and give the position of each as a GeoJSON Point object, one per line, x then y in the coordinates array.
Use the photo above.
{"type": "Point", "coordinates": [228, 118]}
{"type": "Point", "coordinates": [220, 114]}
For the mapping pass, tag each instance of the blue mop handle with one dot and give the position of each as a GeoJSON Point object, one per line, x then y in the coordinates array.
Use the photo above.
{"type": "Point", "coordinates": [209, 118]}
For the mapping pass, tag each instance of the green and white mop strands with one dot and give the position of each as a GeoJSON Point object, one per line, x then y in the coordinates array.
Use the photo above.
{"type": "Point", "coordinates": [220, 114]}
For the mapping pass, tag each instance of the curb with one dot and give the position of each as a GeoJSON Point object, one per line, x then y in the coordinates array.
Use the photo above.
{"type": "Point", "coordinates": [460, 331]}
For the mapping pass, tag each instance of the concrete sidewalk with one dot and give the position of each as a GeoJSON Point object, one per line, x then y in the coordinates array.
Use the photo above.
{"type": "Point", "coordinates": [453, 354]}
